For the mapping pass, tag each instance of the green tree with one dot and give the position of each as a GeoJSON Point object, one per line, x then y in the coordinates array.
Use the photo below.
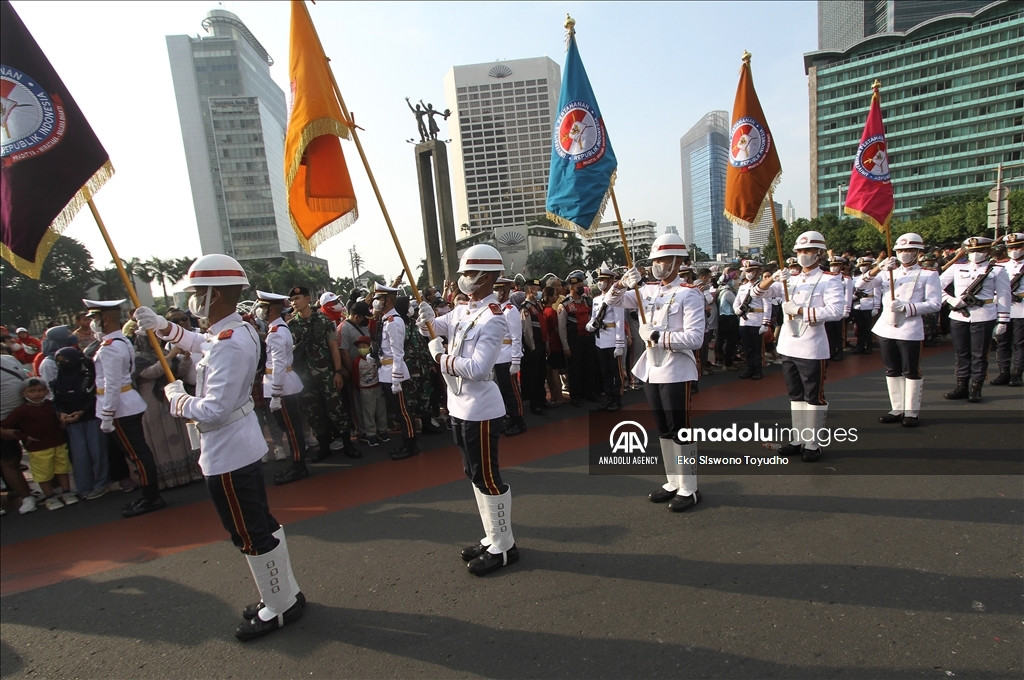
{"type": "Point", "coordinates": [260, 274]}
{"type": "Point", "coordinates": [163, 272]}
{"type": "Point", "coordinates": [110, 284]}
{"type": "Point", "coordinates": [138, 271]}
{"type": "Point", "coordinates": [422, 281]}
{"type": "Point", "coordinates": [640, 252]}
{"type": "Point", "coordinates": [63, 281]}
{"type": "Point", "coordinates": [698, 255]}
{"type": "Point", "coordinates": [573, 250]}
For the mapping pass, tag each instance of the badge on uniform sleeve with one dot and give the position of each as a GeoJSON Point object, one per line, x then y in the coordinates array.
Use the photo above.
{"type": "Point", "coordinates": [224, 335]}
{"type": "Point", "coordinates": [495, 309]}
{"type": "Point", "coordinates": [107, 342]}
{"type": "Point", "coordinates": [273, 329]}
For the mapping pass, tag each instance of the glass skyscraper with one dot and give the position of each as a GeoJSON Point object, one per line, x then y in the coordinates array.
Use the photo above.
{"type": "Point", "coordinates": [233, 118]}
{"type": "Point", "coordinates": [952, 101]}
{"type": "Point", "coordinates": [843, 22]}
{"type": "Point", "coordinates": [704, 156]}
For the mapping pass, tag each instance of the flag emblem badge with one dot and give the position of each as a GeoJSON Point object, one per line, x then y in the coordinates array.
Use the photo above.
{"type": "Point", "coordinates": [33, 122]}
{"type": "Point", "coordinates": [872, 159]}
{"type": "Point", "coordinates": [749, 144]}
{"type": "Point", "coordinates": [581, 138]}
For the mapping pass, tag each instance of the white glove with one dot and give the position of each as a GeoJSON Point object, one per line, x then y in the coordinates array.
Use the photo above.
{"type": "Point", "coordinates": [888, 264]}
{"type": "Point", "coordinates": [781, 275]}
{"type": "Point", "coordinates": [897, 305]}
{"type": "Point", "coordinates": [646, 331]}
{"type": "Point", "coordinates": [619, 351]}
{"type": "Point", "coordinates": [396, 386]}
{"type": "Point", "coordinates": [953, 302]}
{"type": "Point", "coordinates": [1001, 328]}
{"type": "Point", "coordinates": [631, 278]}
{"type": "Point", "coordinates": [275, 403]}
{"type": "Point", "coordinates": [436, 347]}
{"type": "Point", "coordinates": [426, 313]}
{"type": "Point", "coordinates": [590, 326]}
{"type": "Point", "coordinates": [149, 320]}
{"type": "Point", "coordinates": [513, 369]}
{"type": "Point", "coordinates": [174, 392]}
{"type": "Point", "coordinates": [765, 329]}
{"type": "Point", "coordinates": [790, 308]}
{"type": "Point", "coordinates": [106, 426]}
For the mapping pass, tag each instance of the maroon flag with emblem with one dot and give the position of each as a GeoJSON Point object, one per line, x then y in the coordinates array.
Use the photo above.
{"type": "Point", "coordinates": [52, 160]}
{"type": "Point", "coordinates": [870, 196]}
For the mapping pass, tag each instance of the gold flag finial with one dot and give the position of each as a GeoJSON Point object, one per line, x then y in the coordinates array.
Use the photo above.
{"type": "Point", "coordinates": [746, 57]}
{"type": "Point", "coordinates": [877, 84]}
{"type": "Point", "coordinates": [570, 30]}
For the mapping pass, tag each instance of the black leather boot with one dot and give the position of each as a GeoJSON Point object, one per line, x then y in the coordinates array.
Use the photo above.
{"type": "Point", "coordinates": [959, 392]}
{"type": "Point", "coordinates": [974, 396]}
{"type": "Point", "coordinates": [1015, 379]}
{"type": "Point", "coordinates": [1002, 379]}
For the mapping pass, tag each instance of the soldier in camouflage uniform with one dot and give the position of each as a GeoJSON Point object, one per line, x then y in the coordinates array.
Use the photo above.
{"type": "Point", "coordinates": [317, 360]}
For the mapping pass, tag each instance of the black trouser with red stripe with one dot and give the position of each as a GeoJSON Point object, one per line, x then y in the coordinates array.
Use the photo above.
{"type": "Point", "coordinates": [478, 442]}
{"type": "Point", "coordinates": [670, 406]}
{"type": "Point", "coordinates": [241, 502]}
{"type": "Point", "coordinates": [805, 379]}
{"type": "Point", "coordinates": [508, 385]}
{"type": "Point", "coordinates": [397, 406]}
{"type": "Point", "coordinates": [290, 421]}
{"type": "Point", "coordinates": [129, 436]}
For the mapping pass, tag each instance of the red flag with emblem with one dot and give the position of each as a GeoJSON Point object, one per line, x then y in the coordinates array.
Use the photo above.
{"type": "Point", "coordinates": [870, 196]}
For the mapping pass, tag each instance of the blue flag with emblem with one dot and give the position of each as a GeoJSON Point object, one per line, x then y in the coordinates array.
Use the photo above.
{"type": "Point", "coordinates": [582, 161]}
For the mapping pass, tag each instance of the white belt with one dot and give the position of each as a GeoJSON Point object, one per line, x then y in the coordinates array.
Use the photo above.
{"type": "Point", "coordinates": [239, 413]}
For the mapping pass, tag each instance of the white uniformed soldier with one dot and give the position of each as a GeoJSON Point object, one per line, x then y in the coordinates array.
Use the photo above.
{"type": "Point", "coordinates": [608, 325]}
{"type": "Point", "coordinates": [674, 333]}
{"type": "Point", "coordinates": [866, 305]}
{"type": "Point", "coordinates": [815, 297]}
{"type": "Point", "coordinates": [980, 301]}
{"type": "Point", "coordinates": [900, 328]}
{"type": "Point", "coordinates": [393, 372]}
{"type": "Point", "coordinates": [231, 441]}
{"type": "Point", "coordinates": [1010, 345]}
{"type": "Point", "coordinates": [281, 384]}
{"type": "Point", "coordinates": [836, 330]}
{"type": "Point", "coordinates": [118, 406]}
{"type": "Point", "coordinates": [506, 371]}
{"type": "Point", "coordinates": [474, 333]}
{"type": "Point", "coordinates": [755, 320]}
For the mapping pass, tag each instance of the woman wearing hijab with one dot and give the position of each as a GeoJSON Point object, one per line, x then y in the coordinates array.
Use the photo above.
{"type": "Point", "coordinates": [56, 338]}
{"type": "Point", "coordinates": [74, 395]}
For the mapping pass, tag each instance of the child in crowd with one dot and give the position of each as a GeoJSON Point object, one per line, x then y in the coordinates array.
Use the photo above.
{"type": "Point", "coordinates": [375, 419]}
{"type": "Point", "coordinates": [37, 424]}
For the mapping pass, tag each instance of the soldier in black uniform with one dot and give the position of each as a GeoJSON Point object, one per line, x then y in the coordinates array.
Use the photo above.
{"type": "Point", "coordinates": [535, 348]}
{"type": "Point", "coordinates": [582, 356]}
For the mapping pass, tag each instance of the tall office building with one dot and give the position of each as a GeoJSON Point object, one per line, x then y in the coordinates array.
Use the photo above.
{"type": "Point", "coordinates": [704, 154]}
{"type": "Point", "coordinates": [638, 233]}
{"type": "Point", "coordinates": [789, 214]}
{"type": "Point", "coordinates": [500, 129]}
{"type": "Point", "coordinates": [952, 101]}
{"type": "Point", "coordinates": [233, 118]}
{"type": "Point", "coordinates": [843, 22]}
{"type": "Point", "coordinates": [764, 232]}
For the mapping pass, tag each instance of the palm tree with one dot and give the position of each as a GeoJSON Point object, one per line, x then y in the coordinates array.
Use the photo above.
{"type": "Point", "coordinates": [137, 271]}
{"type": "Point", "coordinates": [110, 284]}
{"type": "Point", "coordinates": [573, 249]}
{"type": "Point", "coordinates": [163, 271]}
{"type": "Point", "coordinates": [259, 272]}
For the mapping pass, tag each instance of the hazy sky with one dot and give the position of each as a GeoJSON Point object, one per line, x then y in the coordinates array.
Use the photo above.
{"type": "Point", "coordinates": [656, 69]}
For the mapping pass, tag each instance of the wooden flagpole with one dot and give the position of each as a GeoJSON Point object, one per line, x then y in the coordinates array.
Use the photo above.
{"type": "Point", "coordinates": [629, 257]}
{"type": "Point", "coordinates": [366, 165]}
{"type": "Point", "coordinates": [778, 241]}
{"type": "Point", "coordinates": [126, 280]}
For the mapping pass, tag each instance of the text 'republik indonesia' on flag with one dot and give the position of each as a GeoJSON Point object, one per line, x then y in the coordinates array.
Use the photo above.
{"type": "Point", "coordinates": [52, 160]}
{"type": "Point", "coordinates": [754, 168]}
{"type": "Point", "coordinates": [582, 161]}
{"type": "Point", "coordinates": [870, 194]}
{"type": "Point", "coordinates": [321, 201]}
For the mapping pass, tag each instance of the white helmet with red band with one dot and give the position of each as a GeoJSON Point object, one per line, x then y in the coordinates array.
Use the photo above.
{"type": "Point", "coordinates": [909, 241]}
{"type": "Point", "coordinates": [668, 245]}
{"type": "Point", "coordinates": [215, 270]}
{"type": "Point", "coordinates": [810, 239]}
{"type": "Point", "coordinates": [481, 258]}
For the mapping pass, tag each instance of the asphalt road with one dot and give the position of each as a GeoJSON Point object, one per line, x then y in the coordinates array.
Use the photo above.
{"type": "Point", "coordinates": [825, 575]}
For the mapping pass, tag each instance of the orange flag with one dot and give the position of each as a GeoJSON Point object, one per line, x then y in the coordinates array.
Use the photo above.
{"type": "Point", "coordinates": [754, 168]}
{"type": "Point", "coordinates": [321, 201]}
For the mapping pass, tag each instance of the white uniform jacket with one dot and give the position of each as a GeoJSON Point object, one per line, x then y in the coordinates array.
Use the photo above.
{"type": "Point", "coordinates": [512, 345]}
{"type": "Point", "coordinates": [847, 295]}
{"type": "Point", "coordinates": [676, 310]}
{"type": "Point", "coordinates": [475, 333]}
{"type": "Point", "coordinates": [1012, 267]}
{"type": "Point", "coordinates": [115, 361]}
{"type": "Point", "coordinates": [392, 349]}
{"type": "Point", "coordinates": [228, 440]}
{"type": "Point", "coordinates": [918, 288]}
{"type": "Point", "coordinates": [994, 293]}
{"type": "Point", "coordinates": [612, 332]}
{"type": "Point", "coordinates": [871, 301]}
{"type": "Point", "coordinates": [822, 297]}
{"type": "Point", "coordinates": [280, 380]}
{"type": "Point", "coordinates": [760, 312]}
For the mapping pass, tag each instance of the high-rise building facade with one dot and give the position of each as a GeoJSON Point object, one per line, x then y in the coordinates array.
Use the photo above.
{"type": "Point", "coordinates": [843, 22]}
{"type": "Point", "coordinates": [500, 129]}
{"type": "Point", "coordinates": [233, 118]}
{"type": "Point", "coordinates": [952, 102]}
{"type": "Point", "coordinates": [764, 232]}
{"type": "Point", "coordinates": [638, 233]}
{"type": "Point", "coordinates": [704, 155]}
{"type": "Point", "coordinates": [789, 214]}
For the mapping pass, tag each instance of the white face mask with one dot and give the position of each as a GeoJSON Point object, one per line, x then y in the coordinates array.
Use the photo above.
{"type": "Point", "coordinates": [661, 270]}
{"type": "Point", "coordinates": [262, 313]}
{"type": "Point", "coordinates": [1016, 253]}
{"type": "Point", "coordinates": [96, 327]}
{"type": "Point", "coordinates": [978, 257]}
{"type": "Point", "coordinates": [470, 285]}
{"type": "Point", "coordinates": [602, 285]}
{"type": "Point", "coordinates": [750, 276]}
{"type": "Point", "coordinates": [864, 269]}
{"type": "Point", "coordinates": [907, 256]}
{"type": "Point", "coordinates": [378, 306]}
{"type": "Point", "coordinates": [199, 305]}
{"type": "Point", "coordinates": [806, 259]}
